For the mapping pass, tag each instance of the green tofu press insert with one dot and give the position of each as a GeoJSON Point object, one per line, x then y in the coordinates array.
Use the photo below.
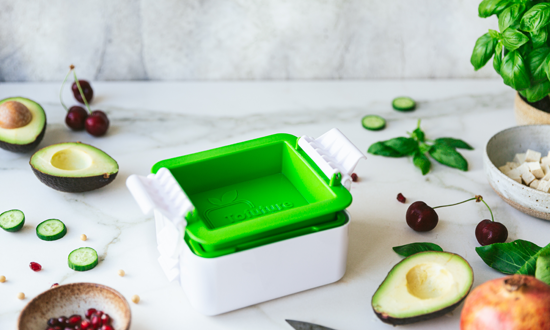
{"type": "Point", "coordinates": [263, 190]}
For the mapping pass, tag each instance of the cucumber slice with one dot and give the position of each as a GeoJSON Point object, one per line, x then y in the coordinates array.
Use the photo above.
{"type": "Point", "coordinates": [83, 259]}
{"type": "Point", "coordinates": [12, 220]}
{"type": "Point", "coordinates": [51, 230]}
{"type": "Point", "coordinates": [403, 104]}
{"type": "Point", "coordinates": [373, 122]}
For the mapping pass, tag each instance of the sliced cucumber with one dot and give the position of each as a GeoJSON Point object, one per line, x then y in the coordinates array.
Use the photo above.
{"type": "Point", "coordinates": [403, 104]}
{"type": "Point", "coordinates": [12, 220]}
{"type": "Point", "coordinates": [83, 259]}
{"type": "Point", "coordinates": [373, 122]}
{"type": "Point", "coordinates": [51, 230]}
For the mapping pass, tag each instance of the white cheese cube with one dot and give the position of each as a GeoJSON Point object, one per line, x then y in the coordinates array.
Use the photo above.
{"type": "Point", "coordinates": [514, 175]}
{"type": "Point", "coordinates": [545, 169]}
{"type": "Point", "coordinates": [534, 184]}
{"type": "Point", "coordinates": [545, 161]}
{"type": "Point", "coordinates": [535, 168]}
{"type": "Point", "coordinates": [504, 169]}
{"type": "Point", "coordinates": [527, 178]}
{"type": "Point", "coordinates": [532, 156]}
{"type": "Point", "coordinates": [513, 165]}
{"type": "Point", "coordinates": [544, 186]}
{"type": "Point", "coordinates": [520, 159]}
{"type": "Point", "coordinates": [523, 169]}
{"type": "Point", "coordinates": [546, 177]}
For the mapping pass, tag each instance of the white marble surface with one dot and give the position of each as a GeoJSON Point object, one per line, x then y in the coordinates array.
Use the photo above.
{"type": "Point", "coordinates": [240, 39]}
{"type": "Point", "coordinates": [154, 121]}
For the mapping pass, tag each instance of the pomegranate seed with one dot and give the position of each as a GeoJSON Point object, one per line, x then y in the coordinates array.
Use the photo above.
{"type": "Point", "coordinates": [77, 327]}
{"type": "Point", "coordinates": [62, 320]}
{"type": "Point", "coordinates": [96, 321]}
{"type": "Point", "coordinates": [105, 319]}
{"type": "Point", "coordinates": [54, 285]}
{"type": "Point", "coordinates": [354, 177]}
{"type": "Point", "coordinates": [75, 319]}
{"type": "Point", "coordinates": [53, 322]}
{"type": "Point", "coordinates": [401, 198]}
{"type": "Point", "coordinates": [90, 312]}
{"type": "Point", "coordinates": [99, 313]}
{"type": "Point", "coordinates": [68, 328]}
{"type": "Point", "coordinates": [57, 328]}
{"type": "Point", "coordinates": [107, 327]}
{"type": "Point", "coordinates": [35, 266]}
{"type": "Point", "coordinates": [85, 325]}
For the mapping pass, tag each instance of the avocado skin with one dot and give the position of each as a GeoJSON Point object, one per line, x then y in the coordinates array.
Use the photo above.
{"type": "Point", "coordinates": [23, 148]}
{"type": "Point", "coordinates": [419, 318]}
{"type": "Point", "coordinates": [74, 185]}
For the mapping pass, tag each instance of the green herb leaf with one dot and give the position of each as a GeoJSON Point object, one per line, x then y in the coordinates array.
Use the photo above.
{"type": "Point", "coordinates": [542, 271]}
{"type": "Point", "coordinates": [529, 267]}
{"type": "Point", "coordinates": [380, 149]}
{"type": "Point", "coordinates": [448, 156]}
{"type": "Point", "coordinates": [539, 38]}
{"type": "Point", "coordinates": [510, 16]}
{"type": "Point", "coordinates": [483, 51]}
{"type": "Point", "coordinates": [491, 7]}
{"type": "Point", "coordinates": [537, 92]}
{"type": "Point", "coordinates": [495, 34]}
{"type": "Point", "coordinates": [403, 145]}
{"type": "Point", "coordinates": [513, 39]}
{"type": "Point", "coordinates": [536, 18]}
{"type": "Point", "coordinates": [424, 148]}
{"type": "Point", "coordinates": [422, 162]}
{"type": "Point", "coordinates": [497, 60]}
{"type": "Point", "coordinates": [509, 258]}
{"type": "Point", "coordinates": [454, 143]}
{"type": "Point", "coordinates": [410, 249]}
{"type": "Point", "coordinates": [537, 63]}
{"type": "Point", "coordinates": [514, 72]}
{"type": "Point", "coordinates": [418, 135]}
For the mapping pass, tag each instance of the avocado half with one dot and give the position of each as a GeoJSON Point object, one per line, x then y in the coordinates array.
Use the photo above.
{"type": "Point", "coordinates": [423, 286]}
{"type": "Point", "coordinates": [73, 167]}
{"type": "Point", "coordinates": [26, 137]}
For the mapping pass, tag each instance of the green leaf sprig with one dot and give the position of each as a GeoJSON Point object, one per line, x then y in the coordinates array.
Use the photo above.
{"type": "Point", "coordinates": [520, 49]}
{"type": "Point", "coordinates": [518, 257]}
{"type": "Point", "coordinates": [443, 150]}
{"type": "Point", "coordinates": [412, 248]}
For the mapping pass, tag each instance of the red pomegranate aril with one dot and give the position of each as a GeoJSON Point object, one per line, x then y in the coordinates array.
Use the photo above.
{"type": "Point", "coordinates": [401, 198]}
{"type": "Point", "coordinates": [75, 319]}
{"type": "Point", "coordinates": [53, 322]}
{"type": "Point", "coordinates": [77, 327]}
{"type": "Point", "coordinates": [57, 328]}
{"type": "Point", "coordinates": [85, 325]}
{"type": "Point", "coordinates": [99, 313]}
{"type": "Point", "coordinates": [54, 285]}
{"type": "Point", "coordinates": [35, 266]}
{"type": "Point", "coordinates": [68, 328]}
{"type": "Point", "coordinates": [354, 177]}
{"type": "Point", "coordinates": [107, 327]}
{"type": "Point", "coordinates": [96, 321]}
{"type": "Point", "coordinates": [105, 319]}
{"type": "Point", "coordinates": [90, 312]}
{"type": "Point", "coordinates": [62, 320]}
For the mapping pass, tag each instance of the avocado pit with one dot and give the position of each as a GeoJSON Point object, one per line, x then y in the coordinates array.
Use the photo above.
{"type": "Point", "coordinates": [14, 114]}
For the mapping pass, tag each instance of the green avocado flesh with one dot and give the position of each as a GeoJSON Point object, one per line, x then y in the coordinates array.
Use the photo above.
{"type": "Point", "coordinates": [73, 167]}
{"type": "Point", "coordinates": [423, 286]}
{"type": "Point", "coordinates": [26, 138]}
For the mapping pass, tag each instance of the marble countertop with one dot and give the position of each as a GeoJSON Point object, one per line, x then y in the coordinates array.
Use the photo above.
{"type": "Point", "coordinates": [154, 121]}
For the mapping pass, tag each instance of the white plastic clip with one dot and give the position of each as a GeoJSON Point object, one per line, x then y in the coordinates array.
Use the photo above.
{"type": "Point", "coordinates": [334, 153]}
{"type": "Point", "coordinates": [162, 194]}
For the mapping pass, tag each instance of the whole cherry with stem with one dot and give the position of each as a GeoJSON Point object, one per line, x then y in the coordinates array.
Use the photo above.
{"type": "Point", "coordinates": [76, 115]}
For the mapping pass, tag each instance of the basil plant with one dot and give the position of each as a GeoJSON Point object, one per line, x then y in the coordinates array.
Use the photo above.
{"type": "Point", "coordinates": [520, 47]}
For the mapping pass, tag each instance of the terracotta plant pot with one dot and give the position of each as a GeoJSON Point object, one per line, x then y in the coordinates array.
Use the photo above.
{"type": "Point", "coordinates": [528, 115]}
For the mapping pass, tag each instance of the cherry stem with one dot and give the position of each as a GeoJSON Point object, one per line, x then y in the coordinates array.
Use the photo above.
{"type": "Point", "coordinates": [62, 85]}
{"type": "Point", "coordinates": [477, 198]}
{"type": "Point", "coordinates": [81, 92]}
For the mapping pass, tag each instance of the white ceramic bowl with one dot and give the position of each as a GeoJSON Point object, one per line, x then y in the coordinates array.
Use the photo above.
{"type": "Point", "coordinates": [502, 148]}
{"type": "Point", "coordinates": [75, 298]}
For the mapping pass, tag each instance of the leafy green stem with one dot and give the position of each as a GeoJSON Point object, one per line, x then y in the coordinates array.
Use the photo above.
{"type": "Point", "coordinates": [471, 199]}
{"type": "Point", "coordinates": [81, 92]}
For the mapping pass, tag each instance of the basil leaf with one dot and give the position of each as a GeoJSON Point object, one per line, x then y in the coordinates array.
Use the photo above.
{"type": "Point", "coordinates": [454, 143]}
{"type": "Point", "coordinates": [403, 145]}
{"type": "Point", "coordinates": [536, 18]}
{"type": "Point", "coordinates": [422, 162]}
{"type": "Point", "coordinates": [418, 135]}
{"type": "Point", "coordinates": [539, 38]}
{"type": "Point", "coordinates": [537, 92]}
{"type": "Point", "coordinates": [542, 271]}
{"type": "Point", "coordinates": [536, 61]}
{"type": "Point", "coordinates": [380, 149]}
{"type": "Point", "coordinates": [514, 72]}
{"type": "Point", "coordinates": [424, 148]}
{"type": "Point", "coordinates": [495, 34]}
{"type": "Point", "coordinates": [448, 156]}
{"type": "Point", "coordinates": [510, 15]}
{"type": "Point", "coordinates": [410, 249]}
{"type": "Point", "coordinates": [508, 258]}
{"type": "Point", "coordinates": [497, 60]}
{"type": "Point", "coordinates": [490, 7]}
{"type": "Point", "coordinates": [513, 39]}
{"type": "Point", "coordinates": [483, 50]}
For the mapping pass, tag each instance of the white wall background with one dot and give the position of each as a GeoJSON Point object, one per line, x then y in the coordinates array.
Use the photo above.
{"type": "Point", "coordinates": [239, 39]}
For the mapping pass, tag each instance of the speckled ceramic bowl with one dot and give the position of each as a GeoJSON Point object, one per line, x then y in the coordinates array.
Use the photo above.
{"type": "Point", "coordinates": [502, 148]}
{"type": "Point", "coordinates": [75, 298]}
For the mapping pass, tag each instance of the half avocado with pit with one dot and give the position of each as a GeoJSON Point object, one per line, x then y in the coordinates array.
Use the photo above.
{"type": "Point", "coordinates": [73, 167]}
{"type": "Point", "coordinates": [22, 124]}
{"type": "Point", "coordinates": [423, 286]}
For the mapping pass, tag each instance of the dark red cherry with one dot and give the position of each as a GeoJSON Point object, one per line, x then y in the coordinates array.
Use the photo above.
{"type": "Point", "coordinates": [97, 123]}
{"type": "Point", "coordinates": [76, 118]}
{"type": "Point", "coordinates": [421, 217]}
{"type": "Point", "coordinates": [489, 232]}
{"type": "Point", "coordinates": [86, 89]}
